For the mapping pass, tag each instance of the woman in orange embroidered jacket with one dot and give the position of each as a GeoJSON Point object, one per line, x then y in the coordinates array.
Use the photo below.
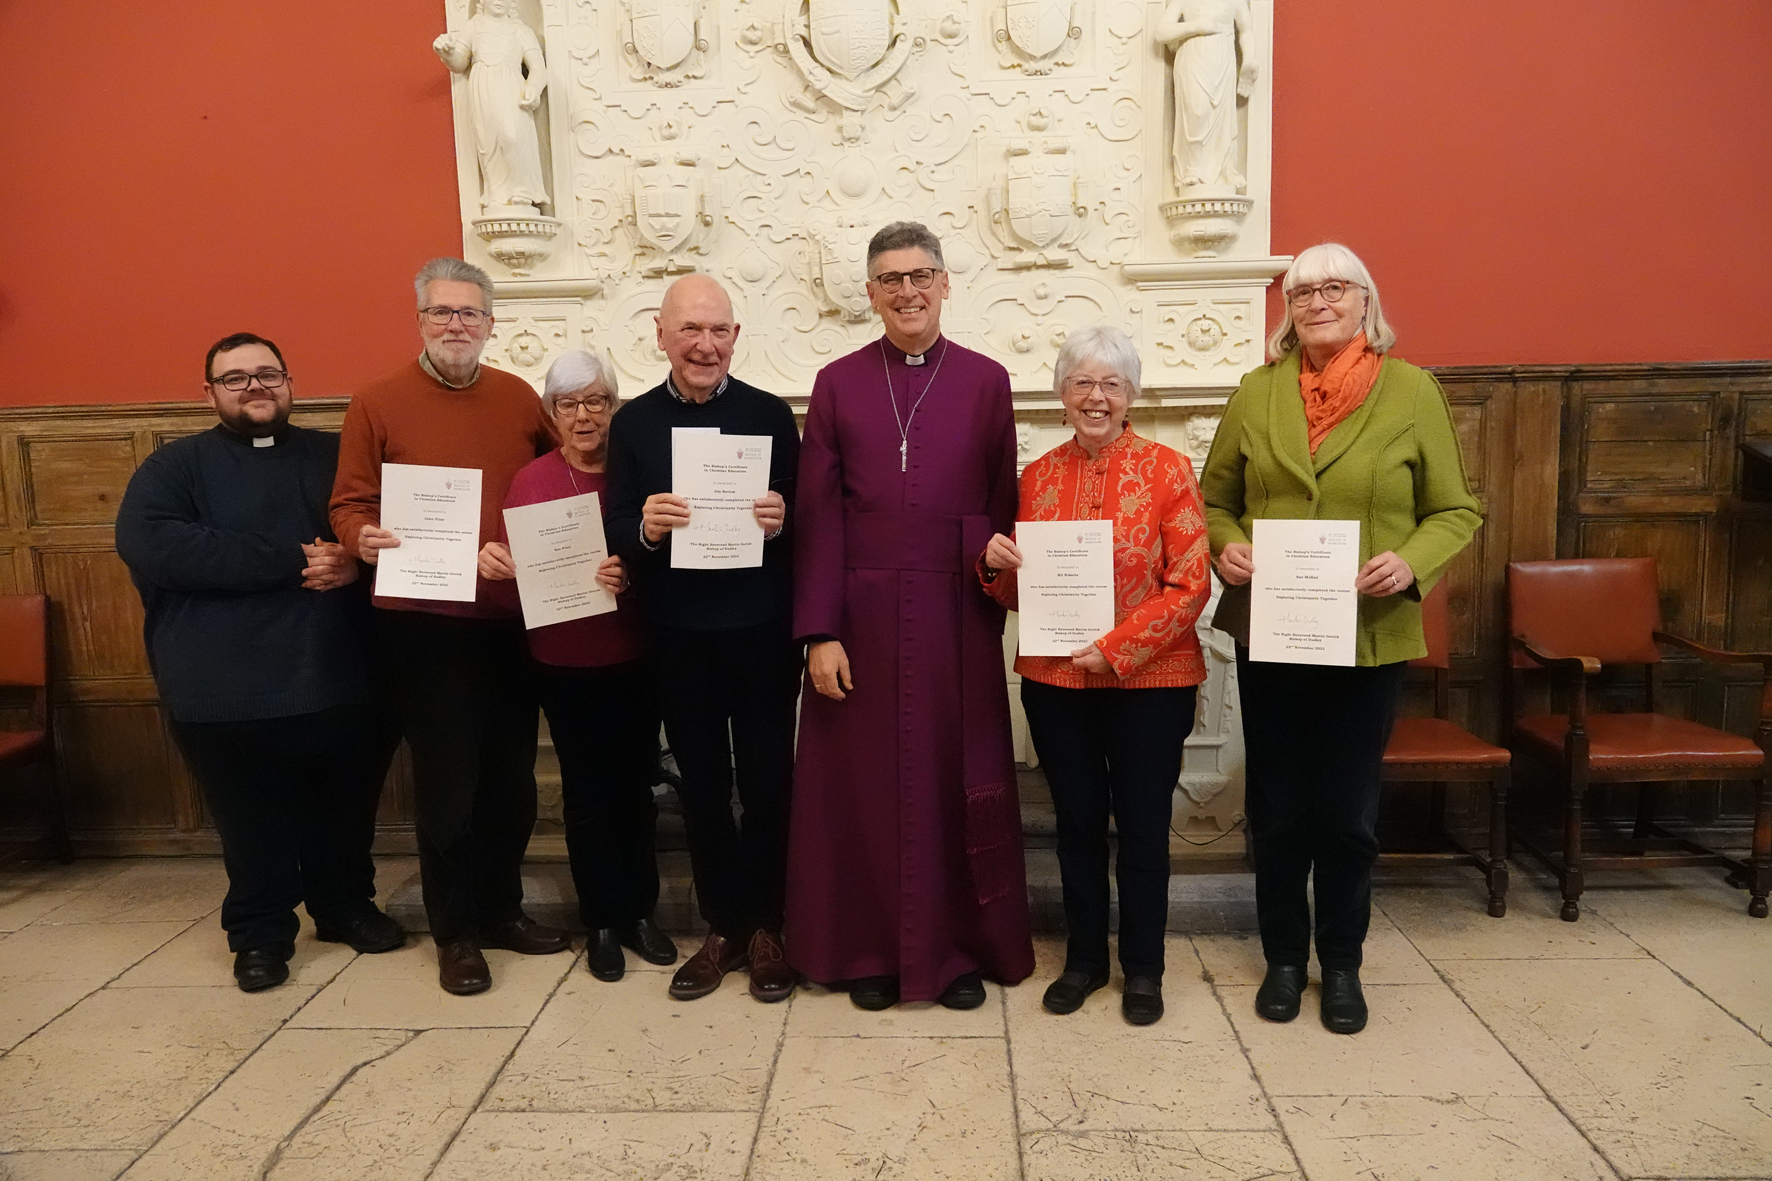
{"type": "Point", "coordinates": [1109, 720]}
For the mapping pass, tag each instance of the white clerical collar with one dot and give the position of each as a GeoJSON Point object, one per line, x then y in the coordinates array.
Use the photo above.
{"type": "Point", "coordinates": [264, 441]}
{"type": "Point", "coordinates": [919, 359]}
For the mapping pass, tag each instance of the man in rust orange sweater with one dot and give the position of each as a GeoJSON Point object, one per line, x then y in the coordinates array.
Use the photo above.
{"type": "Point", "coordinates": [458, 671]}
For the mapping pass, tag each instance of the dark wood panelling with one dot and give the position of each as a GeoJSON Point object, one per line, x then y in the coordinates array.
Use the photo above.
{"type": "Point", "coordinates": [1678, 546]}
{"type": "Point", "coordinates": [1750, 625]}
{"type": "Point", "coordinates": [95, 629]}
{"type": "Point", "coordinates": [116, 768]}
{"type": "Point", "coordinates": [76, 481]}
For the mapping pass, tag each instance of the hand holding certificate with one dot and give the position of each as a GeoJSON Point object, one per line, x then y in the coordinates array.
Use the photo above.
{"type": "Point", "coordinates": [722, 477]}
{"type": "Point", "coordinates": [1065, 585]}
{"type": "Point", "coordinates": [1303, 606]}
{"type": "Point", "coordinates": [556, 546]}
{"type": "Point", "coordinates": [435, 512]}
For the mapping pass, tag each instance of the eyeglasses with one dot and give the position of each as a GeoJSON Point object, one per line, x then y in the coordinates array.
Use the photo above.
{"type": "Point", "coordinates": [1110, 387]}
{"type": "Point", "coordinates": [1333, 290]}
{"type": "Point", "coordinates": [470, 317]}
{"type": "Point", "coordinates": [920, 278]}
{"type": "Point", "coordinates": [595, 403]}
{"type": "Point", "coordinates": [720, 332]}
{"type": "Point", "coordinates": [271, 379]}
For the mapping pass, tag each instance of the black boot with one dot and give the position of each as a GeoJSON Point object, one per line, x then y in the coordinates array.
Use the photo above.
{"type": "Point", "coordinates": [1344, 1008]}
{"type": "Point", "coordinates": [1278, 997]}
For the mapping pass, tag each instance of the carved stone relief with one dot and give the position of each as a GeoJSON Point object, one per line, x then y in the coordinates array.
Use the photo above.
{"type": "Point", "coordinates": [1033, 36]}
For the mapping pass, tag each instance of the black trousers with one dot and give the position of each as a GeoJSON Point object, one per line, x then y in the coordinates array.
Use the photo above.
{"type": "Point", "coordinates": [293, 800]}
{"type": "Point", "coordinates": [1315, 738]}
{"type": "Point", "coordinates": [1118, 749]}
{"type": "Point", "coordinates": [728, 703]}
{"type": "Point", "coordinates": [605, 730]}
{"type": "Point", "coordinates": [465, 693]}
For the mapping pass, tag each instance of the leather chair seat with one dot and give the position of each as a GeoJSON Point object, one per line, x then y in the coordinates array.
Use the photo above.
{"type": "Point", "coordinates": [20, 745]}
{"type": "Point", "coordinates": [1641, 742]}
{"type": "Point", "coordinates": [1438, 742]}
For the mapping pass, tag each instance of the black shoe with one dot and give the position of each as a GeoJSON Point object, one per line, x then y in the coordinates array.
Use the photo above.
{"type": "Point", "coordinates": [1141, 1000]}
{"type": "Point", "coordinates": [1278, 997]}
{"type": "Point", "coordinates": [966, 992]}
{"type": "Point", "coordinates": [1344, 1008]}
{"type": "Point", "coordinates": [874, 993]}
{"type": "Point", "coordinates": [650, 943]}
{"type": "Point", "coordinates": [605, 958]}
{"type": "Point", "coordinates": [259, 968]}
{"type": "Point", "coordinates": [1070, 990]}
{"type": "Point", "coordinates": [369, 932]}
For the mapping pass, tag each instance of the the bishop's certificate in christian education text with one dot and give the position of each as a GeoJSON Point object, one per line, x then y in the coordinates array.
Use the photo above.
{"type": "Point", "coordinates": [1303, 607]}
{"type": "Point", "coordinates": [557, 546]}
{"type": "Point", "coordinates": [722, 477]}
{"type": "Point", "coordinates": [1065, 587]}
{"type": "Point", "coordinates": [435, 512]}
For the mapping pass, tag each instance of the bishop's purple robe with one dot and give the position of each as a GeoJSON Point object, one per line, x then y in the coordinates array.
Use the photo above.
{"type": "Point", "coordinates": [905, 846]}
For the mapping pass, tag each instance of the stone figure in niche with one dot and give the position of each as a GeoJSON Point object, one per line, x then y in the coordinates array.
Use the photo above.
{"type": "Point", "coordinates": [1206, 36]}
{"type": "Point", "coordinates": [506, 76]}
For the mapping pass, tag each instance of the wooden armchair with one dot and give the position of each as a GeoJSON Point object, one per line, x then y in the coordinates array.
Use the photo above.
{"type": "Point", "coordinates": [1573, 617]}
{"type": "Point", "coordinates": [1438, 751]}
{"type": "Point", "coordinates": [24, 663]}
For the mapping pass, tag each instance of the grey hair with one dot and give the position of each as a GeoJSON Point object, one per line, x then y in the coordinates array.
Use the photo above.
{"type": "Point", "coordinates": [1104, 343]}
{"type": "Point", "coordinates": [452, 270]}
{"type": "Point", "coordinates": [575, 371]}
{"type": "Point", "coordinates": [1316, 264]}
{"type": "Point", "coordinates": [903, 235]}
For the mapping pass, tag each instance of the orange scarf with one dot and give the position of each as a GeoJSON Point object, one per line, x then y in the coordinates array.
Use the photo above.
{"type": "Point", "coordinates": [1335, 391]}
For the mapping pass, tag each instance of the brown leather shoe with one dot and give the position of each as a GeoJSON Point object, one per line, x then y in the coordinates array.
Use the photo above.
{"type": "Point", "coordinates": [771, 978]}
{"type": "Point", "coordinates": [461, 969]}
{"type": "Point", "coordinates": [526, 937]}
{"type": "Point", "coordinates": [702, 972]}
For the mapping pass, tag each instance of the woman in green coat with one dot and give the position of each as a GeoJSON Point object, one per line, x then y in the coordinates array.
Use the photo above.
{"type": "Point", "coordinates": [1332, 429]}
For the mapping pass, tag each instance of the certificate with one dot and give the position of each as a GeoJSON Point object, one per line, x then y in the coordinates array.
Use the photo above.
{"type": "Point", "coordinates": [722, 477]}
{"type": "Point", "coordinates": [435, 512]}
{"type": "Point", "coordinates": [1065, 586]}
{"type": "Point", "coordinates": [1302, 604]}
{"type": "Point", "coordinates": [557, 546]}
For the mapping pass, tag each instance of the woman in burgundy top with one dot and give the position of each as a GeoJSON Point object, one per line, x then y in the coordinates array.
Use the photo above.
{"type": "Point", "coordinates": [600, 712]}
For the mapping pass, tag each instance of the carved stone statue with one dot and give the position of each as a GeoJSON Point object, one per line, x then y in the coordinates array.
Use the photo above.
{"type": "Point", "coordinates": [506, 75]}
{"type": "Point", "coordinates": [1206, 36]}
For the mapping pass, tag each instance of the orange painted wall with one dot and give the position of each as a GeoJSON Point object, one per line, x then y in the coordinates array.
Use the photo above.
{"type": "Point", "coordinates": [1584, 181]}
{"type": "Point", "coordinates": [211, 166]}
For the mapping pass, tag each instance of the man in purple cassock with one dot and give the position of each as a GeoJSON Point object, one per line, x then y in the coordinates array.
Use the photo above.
{"type": "Point", "coordinates": [905, 871]}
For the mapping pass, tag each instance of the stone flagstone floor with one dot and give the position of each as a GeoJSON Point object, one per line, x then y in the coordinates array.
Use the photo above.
{"type": "Point", "coordinates": [1633, 1044]}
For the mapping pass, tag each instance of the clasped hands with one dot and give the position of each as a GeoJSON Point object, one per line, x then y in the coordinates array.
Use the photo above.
{"type": "Point", "coordinates": [1002, 554]}
{"type": "Point", "coordinates": [664, 511]}
{"type": "Point", "coordinates": [1383, 574]}
{"type": "Point", "coordinates": [329, 566]}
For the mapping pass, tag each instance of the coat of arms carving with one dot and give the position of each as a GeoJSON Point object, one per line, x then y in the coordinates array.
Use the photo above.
{"type": "Point", "coordinates": [1037, 212]}
{"type": "Point", "coordinates": [846, 51]}
{"type": "Point", "coordinates": [672, 213]}
{"type": "Point", "coordinates": [1036, 35]}
{"type": "Point", "coordinates": [663, 41]}
{"type": "Point", "coordinates": [839, 262]}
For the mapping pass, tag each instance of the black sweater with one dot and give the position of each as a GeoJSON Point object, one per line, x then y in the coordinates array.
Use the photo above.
{"type": "Point", "coordinates": [640, 465]}
{"type": "Point", "coordinates": [211, 528]}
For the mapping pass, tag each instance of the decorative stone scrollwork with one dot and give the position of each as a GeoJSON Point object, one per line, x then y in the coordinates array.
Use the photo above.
{"type": "Point", "coordinates": [518, 242]}
{"type": "Point", "coordinates": [672, 212]}
{"type": "Point", "coordinates": [663, 41]}
{"type": "Point", "coordinates": [1033, 36]}
{"type": "Point", "coordinates": [1205, 333]}
{"type": "Point", "coordinates": [847, 51]}
{"type": "Point", "coordinates": [1038, 210]}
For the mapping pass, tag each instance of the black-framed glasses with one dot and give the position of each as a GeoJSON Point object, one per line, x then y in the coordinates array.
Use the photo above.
{"type": "Point", "coordinates": [271, 379]}
{"type": "Point", "coordinates": [595, 403]}
{"type": "Point", "coordinates": [1332, 291]}
{"type": "Point", "coordinates": [921, 278]}
{"type": "Point", "coordinates": [470, 317]}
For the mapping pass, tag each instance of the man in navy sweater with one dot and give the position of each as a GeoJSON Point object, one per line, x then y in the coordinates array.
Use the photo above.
{"type": "Point", "coordinates": [256, 631]}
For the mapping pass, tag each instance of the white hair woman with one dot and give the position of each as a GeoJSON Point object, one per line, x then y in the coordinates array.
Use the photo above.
{"type": "Point", "coordinates": [1109, 720]}
{"type": "Point", "coordinates": [599, 706]}
{"type": "Point", "coordinates": [1331, 429]}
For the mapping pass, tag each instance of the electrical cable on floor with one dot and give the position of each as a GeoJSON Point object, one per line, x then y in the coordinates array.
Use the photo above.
{"type": "Point", "coordinates": [1240, 822]}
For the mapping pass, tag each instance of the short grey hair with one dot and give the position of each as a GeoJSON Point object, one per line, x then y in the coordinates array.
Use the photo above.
{"type": "Point", "coordinates": [452, 270]}
{"type": "Point", "coordinates": [903, 235]}
{"type": "Point", "coordinates": [575, 371]}
{"type": "Point", "coordinates": [1318, 264]}
{"type": "Point", "coordinates": [1103, 343]}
